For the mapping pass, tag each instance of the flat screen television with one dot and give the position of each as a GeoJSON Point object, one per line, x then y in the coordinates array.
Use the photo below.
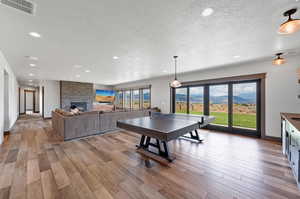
{"type": "Point", "coordinates": [105, 96]}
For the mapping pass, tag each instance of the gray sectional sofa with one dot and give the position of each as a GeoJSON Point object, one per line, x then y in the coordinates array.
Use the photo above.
{"type": "Point", "coordinates": [91, 123]}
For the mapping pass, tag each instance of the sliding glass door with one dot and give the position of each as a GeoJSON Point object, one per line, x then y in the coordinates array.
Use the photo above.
{"type": "Point", "coordinates": [235, 105]}
{"type": "Point", "coordinates": [245, 105]}
{"type": "Point", "coordinates": [181, 100]}
{"type": "Point", "coordinates": [196, 100]}
{"type": "Point", "coordinates": [218, 103]}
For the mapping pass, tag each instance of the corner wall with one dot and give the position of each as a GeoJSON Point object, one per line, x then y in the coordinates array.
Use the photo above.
{"type": "Point", "coordinates": [282, 87]}
{"type": "Point", "coordinates": [76, 92]}
{"type": "Point", "coordinates": [51, 97]}
{"type": "Point", "coordinates": [13, 99]}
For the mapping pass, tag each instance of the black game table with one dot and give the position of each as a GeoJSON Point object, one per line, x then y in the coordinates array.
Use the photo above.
{"type": "Point", "coordinates": [163, 128]}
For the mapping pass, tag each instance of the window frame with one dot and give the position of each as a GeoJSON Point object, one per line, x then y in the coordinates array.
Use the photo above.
{"type": "Point", "coordinates": [120, 100]}
{"type": "Point", "coordinates": [125, 98]}
{"type": "Point", "coordinates": [132, 100]}
{"type": "Point", "coordinates": [141, 97]}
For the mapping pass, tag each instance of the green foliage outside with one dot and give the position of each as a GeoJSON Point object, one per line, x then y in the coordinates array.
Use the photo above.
{"type": "Point", "coordinates": [239, 120]}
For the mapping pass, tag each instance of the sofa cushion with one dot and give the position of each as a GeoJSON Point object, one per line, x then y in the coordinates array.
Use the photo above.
{"type": "Point", "coordinates": [63, 112]}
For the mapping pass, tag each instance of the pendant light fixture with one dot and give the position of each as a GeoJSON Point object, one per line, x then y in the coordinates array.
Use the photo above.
{"type": "Point", "coordinates": [291, 25]}
{"type": "Point", "coordinates": [279, 60]}
{"type": "Point", "coordinates": [175, 83]}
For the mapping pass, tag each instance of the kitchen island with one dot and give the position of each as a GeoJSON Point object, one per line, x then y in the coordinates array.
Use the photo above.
{"type": "Point", "coordinates": [290, 130]}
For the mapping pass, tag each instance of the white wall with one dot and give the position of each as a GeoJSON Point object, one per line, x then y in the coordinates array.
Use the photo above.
{"type": "Point", "coordinates": [282, 87]}
{"type": "Point", "coordinates": [12, 98]}
{"type": "Point", "coordinates": [51, 96]}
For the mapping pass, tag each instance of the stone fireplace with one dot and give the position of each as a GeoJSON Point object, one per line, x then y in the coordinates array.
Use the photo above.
{"type": "Point", "coordinates": [79, 94]}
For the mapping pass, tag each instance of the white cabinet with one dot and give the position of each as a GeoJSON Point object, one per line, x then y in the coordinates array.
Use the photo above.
{"type": "Point", "coordinates": [291, 146]}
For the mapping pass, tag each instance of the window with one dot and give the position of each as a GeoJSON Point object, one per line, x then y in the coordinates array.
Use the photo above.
{"type": "Point", "coordinates": [136, 99]}
{"type": "Point", "coordinates": [119, 99]}
{"type": "Point", "coordinates": [218, 103]}
{"type": "Point", "coordinates": [181, 100]}
{"type": "Point", "coordinates": [196, 100]}
{"type": "Point", "coordinates": [146, 98]}
{"type": "Point", "coordinates": [127, 99]}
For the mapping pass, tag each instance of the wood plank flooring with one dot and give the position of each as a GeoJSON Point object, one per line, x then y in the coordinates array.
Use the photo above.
{"type": "Point", "coordinates": [34, 164]}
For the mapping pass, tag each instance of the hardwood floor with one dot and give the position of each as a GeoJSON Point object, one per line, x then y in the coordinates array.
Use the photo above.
{"type": "Point", "coordinates": [34, 164]}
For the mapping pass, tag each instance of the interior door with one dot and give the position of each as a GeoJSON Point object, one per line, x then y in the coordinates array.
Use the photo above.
{"type": "Point", "coordinates": [29, 101]}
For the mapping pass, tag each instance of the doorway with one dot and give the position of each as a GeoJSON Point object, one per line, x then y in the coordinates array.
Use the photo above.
{"type": "Point", "coordinates": [29, 102]}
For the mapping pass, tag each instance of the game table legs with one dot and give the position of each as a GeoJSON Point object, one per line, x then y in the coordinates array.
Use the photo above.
{"type": "Point", "coordinates": [194, 135]}
{"type": "Point", "coordinates": [161, 146]}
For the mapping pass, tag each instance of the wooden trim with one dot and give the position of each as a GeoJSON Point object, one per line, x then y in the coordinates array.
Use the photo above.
{"type": "Point", "coordinates": [27, 91]}
{"type": "Point", "coordinates": [38, 93]}
{"type": "Point", "coordinates": [133, 88]}
{"type": "Point", "coordinates": [34, 101]}
{"type": "Point", "coordinates": [263, 107]}
{"type": "Point", "coordinates": [19, 101]}
{"type": "Point", "coordinates": [43, 101]}
{"type": "Point", "coordinates": [225, 79]}
{"type": "Point", "coordinates": [60, 93]}
{"type": "Point", "coordinates": [271, 138]}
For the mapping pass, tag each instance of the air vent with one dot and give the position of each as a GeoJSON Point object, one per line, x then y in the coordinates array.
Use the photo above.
{"type": "Point", "coordinates": [22, 5]}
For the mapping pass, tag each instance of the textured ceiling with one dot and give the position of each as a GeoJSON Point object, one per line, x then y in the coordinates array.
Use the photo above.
{"type": "Point", "coordinates": [143, 34]}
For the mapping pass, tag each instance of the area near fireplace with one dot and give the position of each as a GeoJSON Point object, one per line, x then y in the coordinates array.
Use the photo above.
{"type": "Point", "coordinates": [76, 93]}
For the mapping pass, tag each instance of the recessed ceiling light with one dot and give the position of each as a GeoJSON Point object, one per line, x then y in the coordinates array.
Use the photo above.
{"type": "Point", "coordinates": [30, 80]}
{"type": "Point", "coordinates": [32, 58]}
{"type": "Point", "coordinates": [165, 71]}
{"type": "Point", "coordinates": [31, 74]}
{"type": "Point", "coordinates": [115, 57]}
{"type": "Point", "coordinates": [87, 71]}
{"type": "Point", "coordinates": [236, 56]}
{"type": "Point", "coordinates": [207, 12]}
{"type": "Point", "coordinates": [35, 34]}
{"type": "Point", "coordinates": [32, 65]}
{"type": "Point", "coordinates": [77, 76]}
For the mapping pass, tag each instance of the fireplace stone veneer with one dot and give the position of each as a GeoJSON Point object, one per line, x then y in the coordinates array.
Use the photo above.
{"type": "Point", "coordinates": [76, 92]}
